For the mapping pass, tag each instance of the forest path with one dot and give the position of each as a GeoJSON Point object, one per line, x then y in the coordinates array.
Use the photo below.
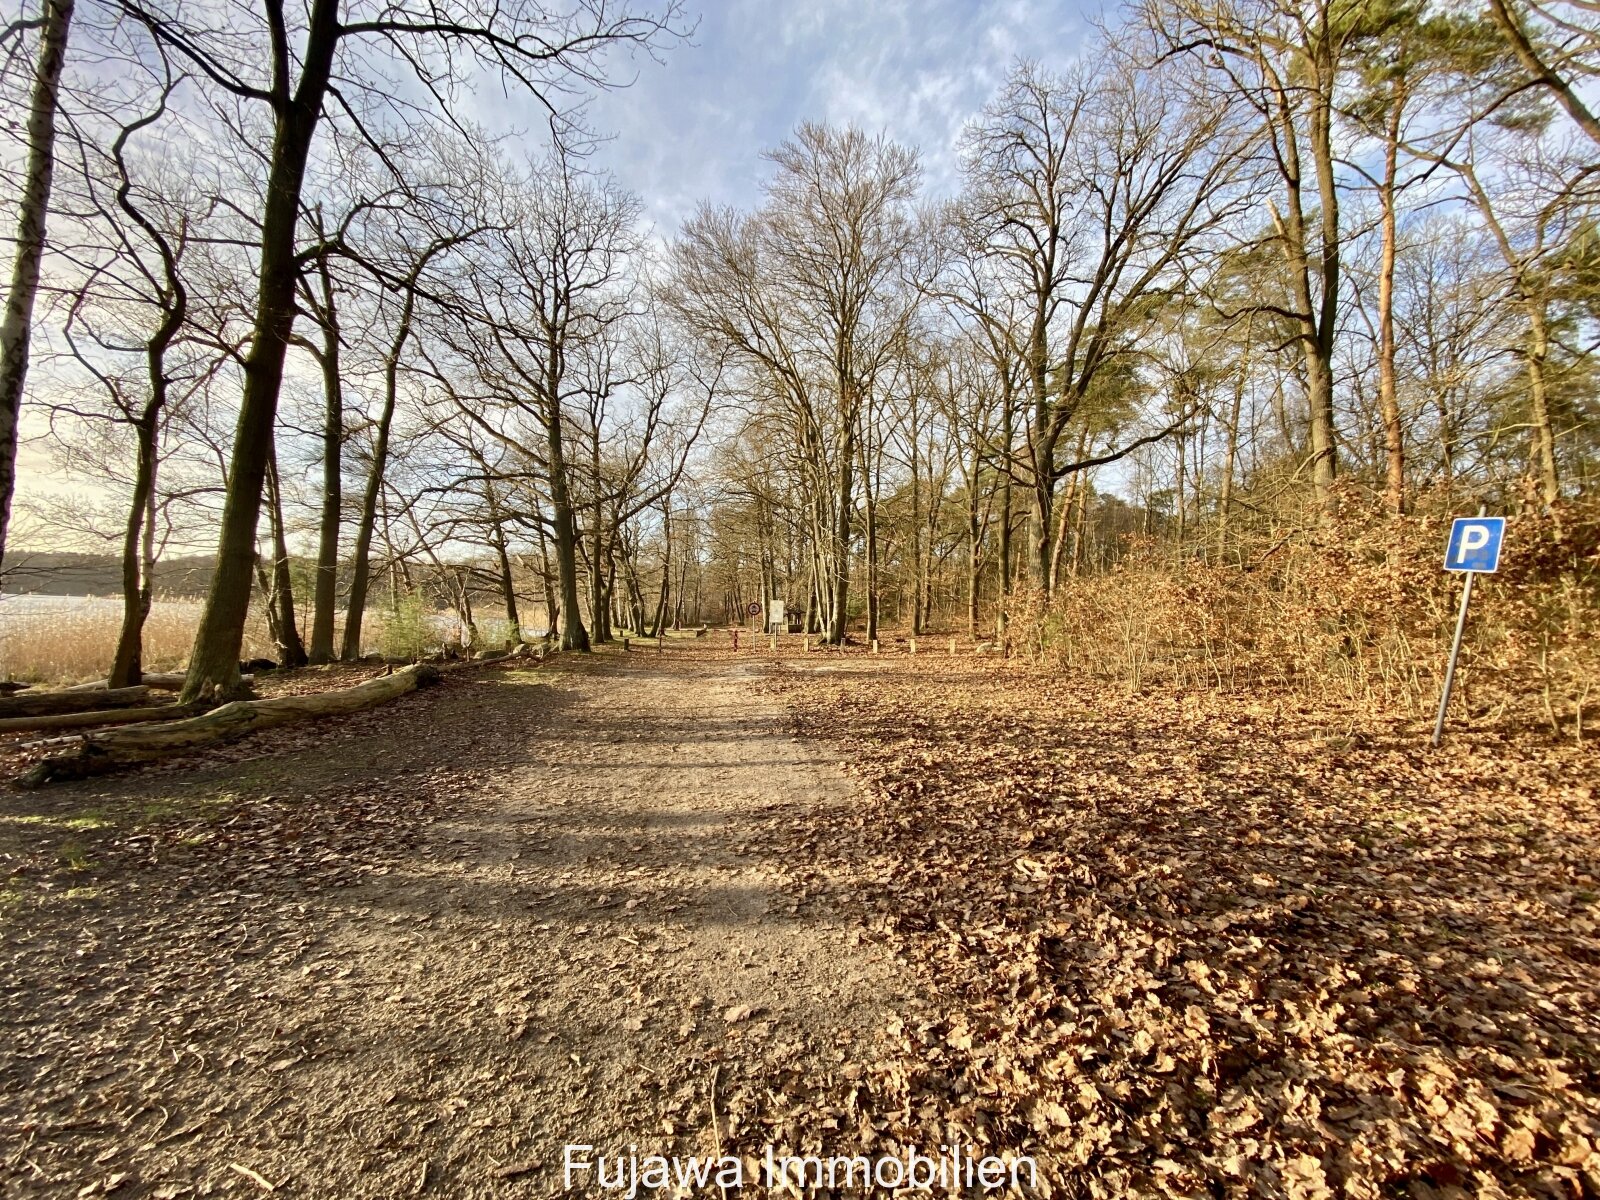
{"type": "Point", "coordinates": [594, 948]}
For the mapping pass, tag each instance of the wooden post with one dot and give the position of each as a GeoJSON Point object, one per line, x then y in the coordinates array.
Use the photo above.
{"type": "Point", "coordinates": [774, 639]}
{"type": "Point", "coordinates": [808, 643]}
{"type": "Point", "coordinates": [913, 647]}
{"type": "Point", "coordinates": [952, 647]}
{"type": "Point", "coordinates": [874, 645]}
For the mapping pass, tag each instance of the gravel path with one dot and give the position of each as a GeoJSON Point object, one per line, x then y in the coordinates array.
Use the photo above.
{"type": "Point", "coordinates": [422, 951]}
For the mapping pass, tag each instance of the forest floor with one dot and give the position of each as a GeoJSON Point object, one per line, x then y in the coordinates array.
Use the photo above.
{"type": "Point", "coordinates": [699, 902]}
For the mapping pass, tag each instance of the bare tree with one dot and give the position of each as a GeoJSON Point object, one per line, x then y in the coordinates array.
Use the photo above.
{"type": "Point", "coordinates": [288, 68]}
{"type": "Point", "coordinates": [811, 295]}
{"type": "Point", "coordinates": [1091, 196]}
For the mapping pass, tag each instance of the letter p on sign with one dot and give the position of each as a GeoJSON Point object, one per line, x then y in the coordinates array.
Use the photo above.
{"type": "Point", "coordinates": [1475, 544]}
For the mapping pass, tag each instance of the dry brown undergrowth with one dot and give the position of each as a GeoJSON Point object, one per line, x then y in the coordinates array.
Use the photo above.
{"type": "Point", "coordinates": [1357, 611]}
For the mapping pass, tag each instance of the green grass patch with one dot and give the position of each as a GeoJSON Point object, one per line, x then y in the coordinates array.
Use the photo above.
{"type": "Point", "coordinates": [74, 856]}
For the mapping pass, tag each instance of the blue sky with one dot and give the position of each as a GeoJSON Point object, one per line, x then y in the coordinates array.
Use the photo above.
{"type": "Point", "coordinates": [694, 126]}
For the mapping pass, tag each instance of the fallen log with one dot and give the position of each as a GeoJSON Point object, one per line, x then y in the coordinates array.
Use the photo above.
{"type": "Point", "coordinates": [49, 704]}
{"type": "Point", "coordinates": [161, 681]}
{"type": "Point", "coordinates": [98, 753]}
{"type": "Point", "coordinates": [112, 716]}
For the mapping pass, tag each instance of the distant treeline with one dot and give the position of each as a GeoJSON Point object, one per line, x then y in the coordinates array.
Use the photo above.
{"type": "Point", "coordinates": [59, 573]}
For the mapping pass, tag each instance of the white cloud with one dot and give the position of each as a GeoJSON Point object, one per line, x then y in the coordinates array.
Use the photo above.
{"type": "Point", "coordinates": [694, 127]}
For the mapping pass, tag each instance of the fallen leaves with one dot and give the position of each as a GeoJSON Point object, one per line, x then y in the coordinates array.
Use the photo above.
{"type": "Point", "coordinates": [1177, 948]}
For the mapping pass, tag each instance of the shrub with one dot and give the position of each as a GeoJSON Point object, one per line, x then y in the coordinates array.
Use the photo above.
{"type": "Point", "coordinates": [408, 629]}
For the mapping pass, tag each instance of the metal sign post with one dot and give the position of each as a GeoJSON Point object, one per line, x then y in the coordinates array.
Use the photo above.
{"type": "Point", "coordinates": [1473, 549]}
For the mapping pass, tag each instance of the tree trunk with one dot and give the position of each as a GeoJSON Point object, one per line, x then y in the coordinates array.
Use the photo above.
{"type": "Point", "coordinates": [573, 635]}
{"type": "Point", "coordinates": [138, 551]}
{"type": "Point", "coordinates": [666, 570]}
{"type": "Point", "coordinates": [1229, 468]}
{"type": "Point", "coordinates": [360, 559]}
{"type": "Point", "coordinates": [326, 596]}
{"type": "Point", "coordinates": [269, 600]}
{"type": "Point", "coordinates": [1317, 306]}
{"type": "Point", "coordinates": [916, 532]}
{"type": "Point", "coordinates": [1388, 398]}
{"type": "Point", "coordinates": [1325, 467]}
{"type": "Point", "coordinates": [463, 595]}
{"type": "Point", "coordinates": [93, 720]}
{"type": "Point", "coordinates": [1004, 594]}
{"type": "Point", "coordinates": [1544, 442]}
{"type": "Point", "coordinates": [214, 662]}
{"type": "Point", "coordinates": [552, 606]}
{"type": "Point", "coordinates": [50, 704]}
{"type": "Point", "coordinates": [598, 603]}
{"type": "Point", "coordinates": [292, 652]}
{"type": "Point", "coordinates": [1058, 544]}
{"type": "Point", "coordinates": [1324, 447]}
{"type": "Point", "coordinates": [508, 586]}
{"type": "Point", "coordinates": [1528, 57]}
{"type": "Point", "coordinates": [1087, 487]}
{"type": "Point", "coordinates": [32, 216]}
{"type": "Point", "coordinates": [1041, 529]}
{"type": "Point", "coordinates": [974, 548]}
{"type": "Point", "coordinates": [873, 584]}
{"type": "Point", "coordinates": [1180, 497]}
{"type": "Point", "coordinates": [838, 618]}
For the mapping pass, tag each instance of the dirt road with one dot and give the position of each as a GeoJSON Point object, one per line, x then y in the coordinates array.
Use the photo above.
{"type": "Point", "coordinates": [289, 970]}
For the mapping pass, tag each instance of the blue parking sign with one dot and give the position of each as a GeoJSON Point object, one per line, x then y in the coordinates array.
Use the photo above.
{"type": "Point", "coordinates": [1475, 544]}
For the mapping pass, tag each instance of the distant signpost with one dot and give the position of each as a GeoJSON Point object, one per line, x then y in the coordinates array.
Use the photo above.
{"type": "Point", "coordinates": [1473, 549]}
